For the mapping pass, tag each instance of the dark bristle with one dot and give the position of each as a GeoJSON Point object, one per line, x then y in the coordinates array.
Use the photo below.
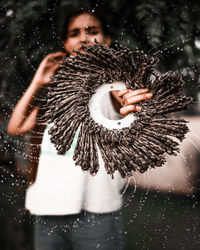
{"type": "Point", "coordinates": [140, 146]}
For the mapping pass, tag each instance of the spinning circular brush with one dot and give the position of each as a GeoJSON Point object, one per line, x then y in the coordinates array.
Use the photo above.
{"type": "Point", "coordinates": [134, 147]}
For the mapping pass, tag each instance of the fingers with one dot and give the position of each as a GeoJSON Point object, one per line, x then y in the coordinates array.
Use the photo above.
{"type": "Point", "coordinates": [53, 58]}
{"type": "Point", "coordinates": [57, 57]}
{"type": "Point", "coordinates": [130, 98]}
{"type": "Point", "coordinates": [128, 109]}
{"type": "Point", "coordinates": [136, 98]}
{"type": "Point", "coordinates": [123, 92]}
{"type": "Point", "coordinates": [130, 92]}
{"type": "Point", "coordinates": [48, 67]}
{"type": "Point", "coordinates": [56, 54]}
{"type": "Point", "coordinates": [51, 62]}
{"type": "Point", "coordinates": [127, 96]}
{"type": "Point", "coordinates": [136, 92]}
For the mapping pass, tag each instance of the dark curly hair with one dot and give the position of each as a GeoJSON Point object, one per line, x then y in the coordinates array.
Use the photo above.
{"type": "Point", "coordinates": [76, 12]}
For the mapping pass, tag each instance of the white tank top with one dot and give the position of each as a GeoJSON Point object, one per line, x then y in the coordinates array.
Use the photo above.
{"type": "Point", "coordinates": [62, 188]}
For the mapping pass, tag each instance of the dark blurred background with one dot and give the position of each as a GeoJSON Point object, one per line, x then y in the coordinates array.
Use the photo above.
{"type": "Point", "coordinates": [29, 30]}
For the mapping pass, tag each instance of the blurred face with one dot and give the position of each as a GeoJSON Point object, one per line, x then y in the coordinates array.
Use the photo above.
{"type": "Point", "coordinates": [83, 30]}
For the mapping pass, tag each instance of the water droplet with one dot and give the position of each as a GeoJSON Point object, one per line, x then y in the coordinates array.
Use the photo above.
{"type": "Point", "coordinates": [9, 13]}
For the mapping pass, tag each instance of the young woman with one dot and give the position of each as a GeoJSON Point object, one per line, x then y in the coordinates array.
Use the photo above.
{"type": "Point", "coordinates": [73, 209]}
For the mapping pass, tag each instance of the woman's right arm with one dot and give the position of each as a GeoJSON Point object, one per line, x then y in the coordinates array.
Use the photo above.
{"type": "Point", "coordinates": [23, 118]}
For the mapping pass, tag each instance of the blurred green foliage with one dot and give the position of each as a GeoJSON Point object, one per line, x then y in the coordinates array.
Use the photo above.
{"type": "Point", "coordinates": [31, 29]}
